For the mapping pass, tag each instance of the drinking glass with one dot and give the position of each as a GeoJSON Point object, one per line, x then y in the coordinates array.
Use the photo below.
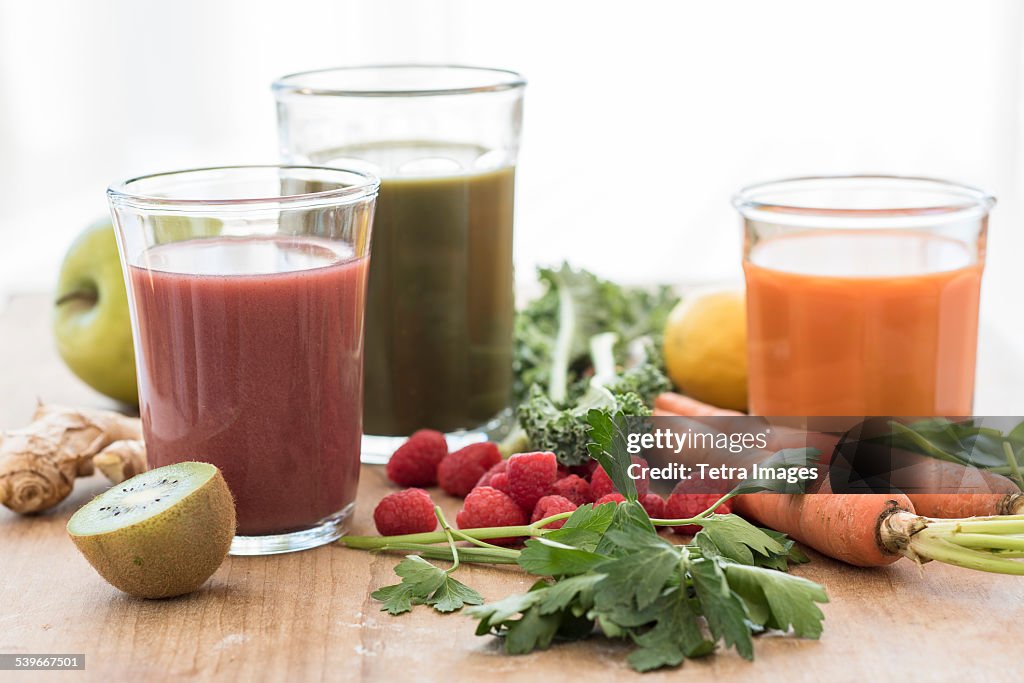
{"type": "Point", "coordinates": [862, 295]}
{"type": "Point", "coordinates": [444, 140]}
{"type": "Point", "coordinates": [247, 289]}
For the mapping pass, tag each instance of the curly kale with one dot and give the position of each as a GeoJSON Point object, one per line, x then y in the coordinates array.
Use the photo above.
{"type": "Point", "coordinates": [646, 381]}
{"type": "Point", "coordinates": [571, 345]}
{"type": "Point", "coordinates": [553, 332]}
{"type": "Point", "coordinates": [564, 431]}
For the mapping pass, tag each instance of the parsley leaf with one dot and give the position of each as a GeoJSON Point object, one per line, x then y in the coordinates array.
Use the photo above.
{"type": "Point", "coordinates": [778, 600]}
{"type": "Point", "coordinates": [548, 610]}
{"type": "Point", "coordinates": [452, 594]}
{"type": "Point", "coordinates": [737, 539]}
{"type": "Point", "coordinates": [639, 574]}
{"type": "Point", "coordinates": [546, 557]}
{"type": "Point", "coordinates": [425, 584]}
{"type": "Point", "coordinates": [631, 519]}
{"type": "Point", "coordinates": [534, 631]}
{"type": "Point", "coordinates": [608, 434]}
{"type": "Point", "coordinates": [397, 598]}
{"type": "Point", "coordinates": [585, 527]}
{"type": "Point", "coordinates": [723, 609]}
{"type": "Point", "coordinates": [675, 636]}
{"type": "Point", "coordinates": [494, 615]}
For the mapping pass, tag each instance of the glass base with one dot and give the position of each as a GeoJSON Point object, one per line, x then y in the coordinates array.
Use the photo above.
{"type": "Point", "coordinates": [327, 531]}
{"type": "Point", "coordinates": [377, 450]}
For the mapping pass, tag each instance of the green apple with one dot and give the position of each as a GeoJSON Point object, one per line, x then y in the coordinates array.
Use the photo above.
{"type": "Point", "coordinates": [167, 229]}
{"type": "Point", "coordinates": [91, 321]}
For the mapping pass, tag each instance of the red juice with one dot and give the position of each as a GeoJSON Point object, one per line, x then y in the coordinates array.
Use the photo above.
{"type": "Point", "coordinates": [252, 361]}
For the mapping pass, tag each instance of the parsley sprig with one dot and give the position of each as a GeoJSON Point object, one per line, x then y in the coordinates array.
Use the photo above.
{"type": "Point", "coordinates": [672, 601]}
{"type": "Point", "coordinates": [607, 570]}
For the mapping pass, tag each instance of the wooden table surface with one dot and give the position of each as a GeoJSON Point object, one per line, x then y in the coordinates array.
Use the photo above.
{"type": "Point", "coordinates": [308, 616]}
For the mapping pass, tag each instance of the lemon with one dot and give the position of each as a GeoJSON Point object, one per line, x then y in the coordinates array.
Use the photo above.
{"type": "Point", "coordinates": [705, 348]}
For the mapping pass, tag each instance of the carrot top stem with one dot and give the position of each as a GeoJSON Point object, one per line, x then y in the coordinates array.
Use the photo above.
{"type": "Point", "coordinates": [987, 544]}
{"type": "Point", "coordinates": [988, 541]}
{"type": "Point", "coordinates": [1006, 524]}
{"type": "Point", "coordinates": [1011, 459]}
{"type": "Point", "coordinates": [929, 545]}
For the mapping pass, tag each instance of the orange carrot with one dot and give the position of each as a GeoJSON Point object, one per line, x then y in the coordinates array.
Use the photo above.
{"type": "Point", "coordinates": [1005, 498]}
{"type": "Point", "coordinates": [980, 493]}
{"type": "Point", "coordinates": [671, 403]}
{"type": "Point", "coordinates": [847, 527]}
{"type": "Point", "coordinates": [968, 504]}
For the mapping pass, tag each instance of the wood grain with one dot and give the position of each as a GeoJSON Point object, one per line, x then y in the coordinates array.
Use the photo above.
{"type": "Point", "coordinates": [308, 616]}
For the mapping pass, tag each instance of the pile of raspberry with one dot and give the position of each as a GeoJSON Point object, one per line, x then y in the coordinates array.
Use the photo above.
{"type": "Point", "coordinates": [523, 489]}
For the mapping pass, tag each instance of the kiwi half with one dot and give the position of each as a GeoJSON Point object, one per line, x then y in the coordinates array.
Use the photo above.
{"type": "Point", "coordinates": [159, 534]}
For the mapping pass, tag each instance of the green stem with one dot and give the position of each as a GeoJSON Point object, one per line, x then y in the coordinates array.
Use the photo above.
{"type": "Point", "coordinates": [1005, 525]}
{"type": "Point", "coordinates": [676, 522]}
{"type": "Point", "coordinates": [1011, 460]}
{"type": "Point", "coordinates": [448, 533]}
{"type": "Point", "coordinates": [433, 537]}
{"type": "Point", "coordinates": [472, 555]}
{"type": "Point", "coordinates": [463, 536]}
{"type": "Point", "coordinates": [694, 520]}
{"type": "Point", "coordinates": [928, 545]}
{"type": "Point", "coordinates": [430, 537]}
{"type": "Point", "coordinates": [988, 541]}
{"type": "Point", "coordinates": [558, 388]}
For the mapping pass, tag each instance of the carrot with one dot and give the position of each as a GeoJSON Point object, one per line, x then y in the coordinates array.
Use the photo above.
{"type": "Point", "coordinates": [980, 493]}
{"type": "Point", "coordinates": [671, 403]}
{"type": "Point", "coordinates": [968, 504]}
{"type": "Point", "coordinates": [843, 526]}
{"type": "Point", "coordinates": [1005, 498]}
{"type": "Point", "coordinates": [875, 530]}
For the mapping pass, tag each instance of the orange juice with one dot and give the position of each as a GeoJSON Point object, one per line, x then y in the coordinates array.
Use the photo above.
{"type": "Point", "coordinates": [862, 322]}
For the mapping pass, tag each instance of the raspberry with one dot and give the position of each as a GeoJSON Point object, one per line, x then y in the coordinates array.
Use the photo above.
{"type": "Point", "coordinates": [459, 472]}
{"type": "Point", "coordinates": [573, 487]}
{"type": "Point", "coordinates": [415, 462]}
{"type": "Point", "coordinates": [601, 484]}
{"type": "Point", "coordinates": [486, 507]}
{"type": "Point", "coordinates": [585, 470]}
{"type": "Point", "coordinates": [489, 474]}
{"type": "Point", "coordinates": [552, 505]}
{"type": "Point", "coordinates": [643, 485]}
{"type": "Point", "coordinates": [653, 504]}
{"type": "Point", "coordinates": [685, 503]}
{"type": "Point", "coordinates": [500, 481]}
{"type": "Point", "coordinates": [613, 497]}
{"type": "Point", "coordinates": [530, 476]}
{"type": "Point", "coordinates": [405, 512]}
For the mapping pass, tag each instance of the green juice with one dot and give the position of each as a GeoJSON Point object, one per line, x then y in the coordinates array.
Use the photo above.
{"type": "Point", "coordinates": [440, 301]}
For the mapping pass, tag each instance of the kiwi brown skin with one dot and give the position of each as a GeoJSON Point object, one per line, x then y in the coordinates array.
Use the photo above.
{"type": "Point", "coordinates": [169, 554]}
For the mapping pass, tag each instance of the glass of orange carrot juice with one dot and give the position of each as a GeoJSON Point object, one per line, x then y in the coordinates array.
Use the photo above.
{"type": "Point", "coordinates": [862, 295]}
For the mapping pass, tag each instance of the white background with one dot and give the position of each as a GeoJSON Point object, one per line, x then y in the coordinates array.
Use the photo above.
{"type": "Point", "coordinates": [642, 118]}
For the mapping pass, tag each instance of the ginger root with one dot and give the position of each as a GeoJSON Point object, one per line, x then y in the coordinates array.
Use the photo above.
{"type": "Point", "coordinates": [121, 460]}
{"type": "Point", "coordinates": [39, 463]}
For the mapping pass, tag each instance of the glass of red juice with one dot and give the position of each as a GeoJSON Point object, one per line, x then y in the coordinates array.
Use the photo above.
{"type": "Point", "coordinates": [247, 288]}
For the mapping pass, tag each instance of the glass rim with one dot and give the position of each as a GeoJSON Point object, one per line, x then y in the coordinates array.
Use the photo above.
{"type": "Point", "coordinates": [761, 200]}
{"type": "Point", "coordinates": [120, 192]}
{"type": "Point", "coordinates": [504, 79]}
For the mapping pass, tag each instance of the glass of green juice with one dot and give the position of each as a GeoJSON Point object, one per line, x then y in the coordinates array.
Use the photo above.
{"type": "Point", "coordinates": [440, 303]}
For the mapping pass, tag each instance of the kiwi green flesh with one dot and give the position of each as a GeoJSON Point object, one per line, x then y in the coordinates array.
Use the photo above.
{"type": "Point", "coordinates": [140, 498]}
{"type": "Point", "coordinates": [152, 549]}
